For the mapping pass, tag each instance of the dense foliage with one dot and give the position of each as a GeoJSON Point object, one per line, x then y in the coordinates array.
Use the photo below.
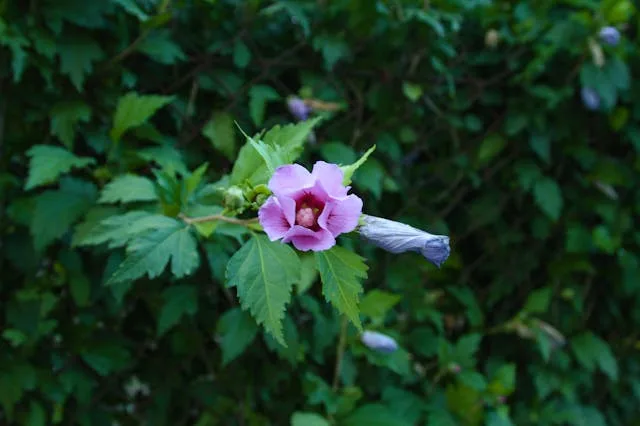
{"type": "Point", "coordinates": [512, 127]}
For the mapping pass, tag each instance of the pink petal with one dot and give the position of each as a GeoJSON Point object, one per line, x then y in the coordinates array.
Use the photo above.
{"type": "Point", "coordinates": [341, 216]}
{"type": "Point", "coordinates": [277, 216]}
{"type": "Point", "coordinates": [305, 239]}
{"type": "Point", "coordinates": [331, 176]}
{"type": "Point", "coordinates": [289, 179]}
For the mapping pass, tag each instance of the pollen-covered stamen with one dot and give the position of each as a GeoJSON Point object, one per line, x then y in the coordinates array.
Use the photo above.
{"type": "Point", "coordinates": [306, 217]}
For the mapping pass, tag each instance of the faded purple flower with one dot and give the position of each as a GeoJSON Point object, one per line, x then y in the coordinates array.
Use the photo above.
{"type": "Point", "coordinates": [379, 342]}
{"type": "Point", "coordinates": [298, 108]}
{"type": "Point", "coordinates": [396, 237]}
{"type": "Point", "coordinates": [609, 35]}
{"type": "Point", "coordinates": [309, 209]}
{"type": "Point", "coordinates": [590, 98]}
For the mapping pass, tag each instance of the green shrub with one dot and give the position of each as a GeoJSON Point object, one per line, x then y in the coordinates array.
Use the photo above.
{"type": "Point", "coordinates": [120, 122]}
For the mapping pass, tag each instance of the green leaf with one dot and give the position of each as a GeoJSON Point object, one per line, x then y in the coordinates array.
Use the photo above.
{"type": "Point", "coordinates": [548, 197]}
{"type": "Point", "coordinates": [241, 54]}
{"type": "Point", "coordinates": [591, 352]}
{"type": "Point", "coordinates": [332, 47]}
{"type": "Point", "coordinates": [259, 95]}
{"type": "Point", "coordinates": [539, 143]}
{"type": "Point", "coordinates": [128, 188]}
{"type": "Point", "coordinates": [503, 382]}
{"type": "Point", "coordinates": [55, 211]}
{"type": "Point", "coordinates": [160, 47]}
{"type": "Point", "coordinates": [150, 253]}
{"type": "Point", "coordinates": [412, 91]}
{"type": "Point", "coordinates": [47, 163]}
{"type": "Point", "coordinates": [133, 9]}
{"type": "Point", "coordinates": [221, 133]}
{"type": "Point", "coordinates": [102, 226]}
{"type": "Point", "coordinates": [134, 110]}
{"type": "Point", "coordinates": [338, 153]}
{"type": "Point", "coordinates": [106, 358]}
{"type": "Point", "coordinates": [376, 303]}
{"type": "Point", "coordinates": [64, 118]}
{"type": "Point", "coordinates": [308, 419]}
{"type": "Point", "coordinates": [374, 415]}
{"type": "Point", "coordinates": [37, 416]}
{"type": "Point", "coordinates": [179, 300]}
{"type": "Point", "coordinates": [285, 142]}
{"type": "Point", "coordinates": [237, 330]}
{"type": "Point", "coordinates": [491, 146]}
{"type": "Point", "coordinates": [538, 301]}
{"type": "Point", "coordinates": [264, 273]}
{"type": "Point", "coordinates": [77, 56]}
{"type": "Point", "coordinates": [341, 271]}
{"type": "Point", "coordinates": [351, 169]}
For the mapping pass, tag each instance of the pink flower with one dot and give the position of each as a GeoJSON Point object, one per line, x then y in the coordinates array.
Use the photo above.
{"type": "Point", "coordinates": [309, 209]}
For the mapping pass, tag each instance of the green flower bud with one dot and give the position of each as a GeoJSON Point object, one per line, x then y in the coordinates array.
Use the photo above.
{"type": "Point", "coordinates": [234, 198]}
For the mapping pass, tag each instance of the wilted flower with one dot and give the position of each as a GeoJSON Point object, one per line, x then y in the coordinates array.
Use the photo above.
{"type": "Point", "coordinates": [396, 237]}
{"type": "Point", "coordinates": [299, 108]}
{"type": "Point", "coordinates": [309, 209]}
{"type": "Point", "coordinates": [610, 35]}
{"type": "Point", "coordinates": [379, 342]}
{"type": "Point", "coordinates": [590, 98]}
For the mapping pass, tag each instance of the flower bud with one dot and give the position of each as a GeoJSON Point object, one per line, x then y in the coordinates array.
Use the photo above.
{"type": "Point", "coordinates": [590, 98]}
{"type": "Point", "coordinates": [396, 237]}
{"type": "Point", "coordinates": [379, 342]}
{"type": "Point", "coordinates": [234, 198]}
{"type": "Point", "coordinates": [298, 108]}
{"type": "Point", "coordinates": [610, 36]}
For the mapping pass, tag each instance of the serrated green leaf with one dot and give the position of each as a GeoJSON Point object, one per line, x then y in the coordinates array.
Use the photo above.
{"type": "Point", "coordinates": [308, 419]}
{"type": "Point", "coordinates": [64, 118]}
{"type": "Point", "coordinates": [102, 227]}
{"type": "Point", "coordinates": [149, 254]}
{"type": "Point", "coordinates": [106, 358]}
{"type": "Point", "coordinates": [236, 329]}
{"type": "Point", "coordinates": [160, 47]}
{"type": "Point", "coordinates": [548, 197]}
{"type": "Point", "coordinates": [128, 188]}
{"type": "Point", "coordinates": [221, 133]}
{"type": "Point", "coordinates": [179, 300]}
{"type": "Point", "coordinates": [134, 110]}
{"type": "Point", "coordinates": [77, 56]}
{"type": "Point", "coordinates": [352, 168]}
{"type": "Point", "coordinates": [47, 163]}
{"type": "Point", "coordinates": [259, 95]}
{"type": "Point", "coordinates": [286, 140]}
{"type": "Point", "coordinates": [264, 273]}
{"type": "Point", "coordinates": [55, 211]}
{"type": "Point", "coordinates": [503, 382]}
{"type": "Point", "coordinates": [341, 271]}
{"type": "Point", "coordinates": [376, 303]}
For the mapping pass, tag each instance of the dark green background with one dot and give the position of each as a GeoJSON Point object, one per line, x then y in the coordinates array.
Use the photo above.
{"type": "Point", "coordinates": [475, 108]}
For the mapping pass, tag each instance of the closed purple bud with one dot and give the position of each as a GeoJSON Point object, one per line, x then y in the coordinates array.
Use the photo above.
{"type": "Point", "coordinates": [379, 342]}
{"type": "Point", "coordinates": [610, 36]}
{"type": "Point", "coordinates": [396, 237]}
{"type": "Point", "coordinates": [590, 98]}
{"type": "Point", "coordinates": [298, 108]}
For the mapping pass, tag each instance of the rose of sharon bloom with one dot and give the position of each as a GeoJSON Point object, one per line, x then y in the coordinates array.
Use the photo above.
{"type": "Point", "coordinates": [396, 237]}
{"type": "Point", "coordinates": [379, 342]}
{"type": "Point", "coordinates": [298, 108]}
{"type": "Point", "coordinates": [309, 209]}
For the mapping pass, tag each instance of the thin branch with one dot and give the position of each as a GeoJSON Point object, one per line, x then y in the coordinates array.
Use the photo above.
{"type": "Point", "coordinates": [342, 344]}
{"type": "Point", "coordinates": [221, 218]}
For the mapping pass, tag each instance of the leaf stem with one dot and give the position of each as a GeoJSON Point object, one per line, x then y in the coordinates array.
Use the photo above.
{"type": "Point", "coordinates": [342, 344]}
{"type": "Point", "coordinates": [221, 218]}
